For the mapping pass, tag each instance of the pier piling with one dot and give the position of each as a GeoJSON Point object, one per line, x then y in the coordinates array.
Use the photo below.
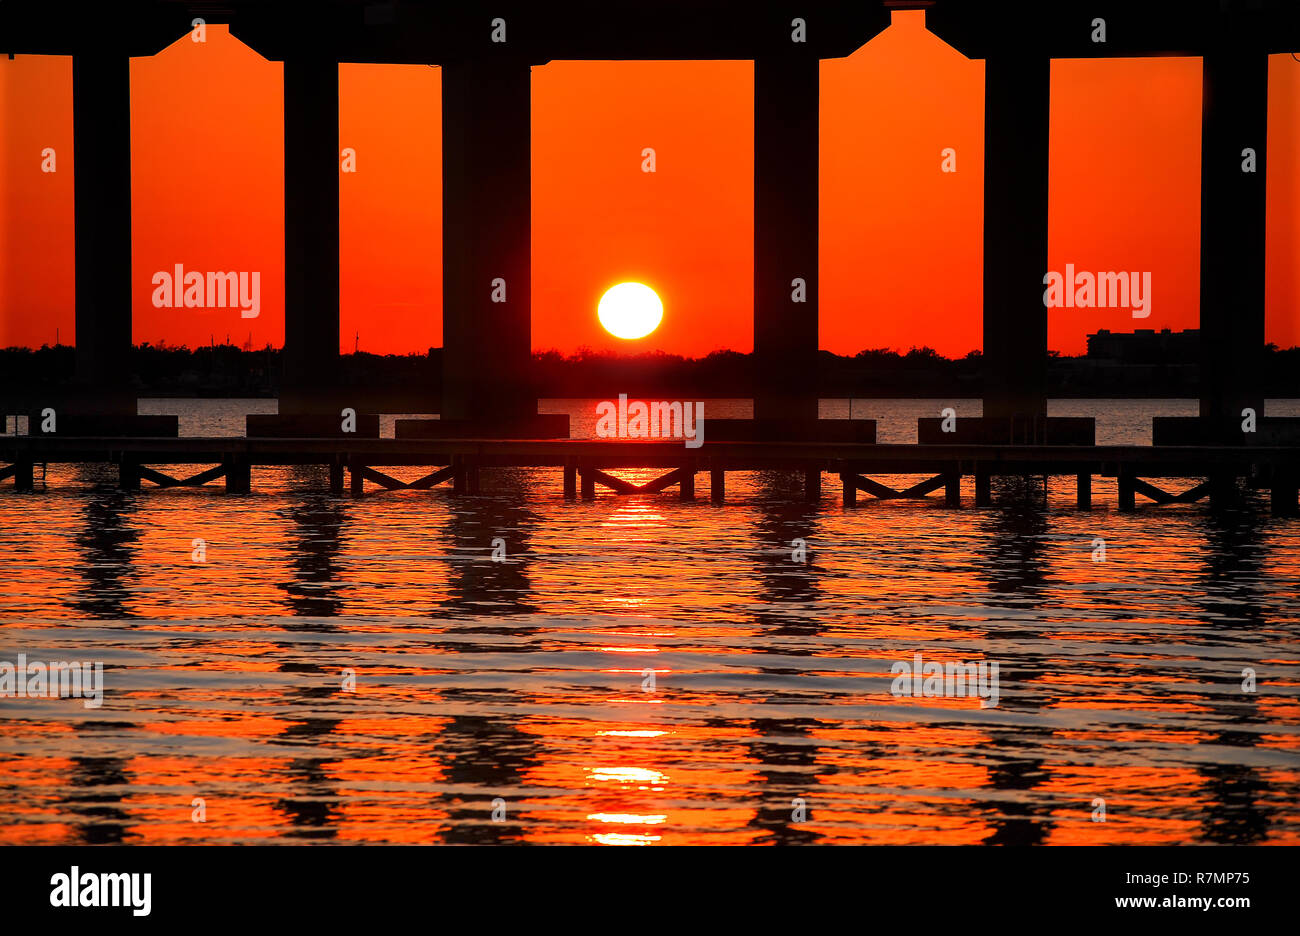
{"type": "Point", "coordinates": [849, 483]}
{"type": "Point", "coordinates": [686, 487]}
{"type": "Point", "coordinates": [239, 476]}
{"type": "Point", "coordinates": [1223, 489]}
{"type": "Point", "coordinates": [1283, 495]}
{"type": "Point", "coordinates": [812, 485]}
{"type": "Point", "coordinates": [24, 480]}
{"type": "Point", "coordinates": [952, 488]}
{"type": "Point", "coordinates": [128, 475]}
{"type": "Point", "coordinates": [1127, 490]}
{"type": "Point", "coordinates": [1084, 496]}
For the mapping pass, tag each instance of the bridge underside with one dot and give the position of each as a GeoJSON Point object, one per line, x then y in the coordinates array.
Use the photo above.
{"type": "Point", "coordinates": [487, 178]}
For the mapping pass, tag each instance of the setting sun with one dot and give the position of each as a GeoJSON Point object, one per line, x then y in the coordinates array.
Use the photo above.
{"type": "Point", "coordinates": [630, 310]}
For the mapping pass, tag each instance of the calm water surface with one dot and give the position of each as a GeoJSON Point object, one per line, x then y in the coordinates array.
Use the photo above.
{"type": "Point", "coordinates": [522, 681]}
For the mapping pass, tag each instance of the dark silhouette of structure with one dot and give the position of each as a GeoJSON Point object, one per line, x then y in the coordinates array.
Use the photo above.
{"type": "Point", "coordinates": [1146, 346]}
{"type": "Point", "coordinates": [487, 50]}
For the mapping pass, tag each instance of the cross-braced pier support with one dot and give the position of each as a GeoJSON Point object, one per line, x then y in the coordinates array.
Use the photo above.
{"type": "Point", "coordinates": [683, 478]}
{"type": "Point", "coordinates": [1219, 488]}
{"type": "Point", "coordinates": [236, 470]}
{"type": "Point", "coordinates": [1215, 472]}
{"type": "Point", "coordinates": [361, 473]}
{"type": "Point", "coordinates": [950, 481]}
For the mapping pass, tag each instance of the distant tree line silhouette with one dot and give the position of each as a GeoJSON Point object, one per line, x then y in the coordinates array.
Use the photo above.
{"type": "Point", "coordinates": [226, 370]}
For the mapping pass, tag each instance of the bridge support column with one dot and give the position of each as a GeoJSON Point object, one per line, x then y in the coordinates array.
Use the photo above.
{"type": "Point", "coordinates": [487, 242]}
{"type": "Point", "coordinates": [1016, 107]}
{"type": "Point", "coordinates": [101, 114]}
{"type": "Point", "coordinates": [786, 127]}
{"type": "Point", "coordinates": [1234, 119]}
{"type": "Point", "coordinates": [311, 235]}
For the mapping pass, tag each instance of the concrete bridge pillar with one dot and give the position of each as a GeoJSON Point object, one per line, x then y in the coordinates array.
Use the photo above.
{"type": "Point", "coordinates": [311, 234]}
{"type": "Point", "coordinates": [1234, 120]}
{"type": "Point", "coordinates": [786, 127]}
{"type": "Point", "coordinates": [1016, 107]}
{"type": "Point", "coordinates": [487, 242]}
{"type": "Point", "coordinates": [101, 113]}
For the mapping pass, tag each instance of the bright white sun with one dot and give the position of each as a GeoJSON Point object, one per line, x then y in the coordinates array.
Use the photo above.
{"type": "Point", "coordinates": [630, 310]}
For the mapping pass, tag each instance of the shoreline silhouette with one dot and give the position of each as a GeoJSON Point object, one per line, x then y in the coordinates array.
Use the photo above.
{"type": "Point", "coordinates": [403, 380]}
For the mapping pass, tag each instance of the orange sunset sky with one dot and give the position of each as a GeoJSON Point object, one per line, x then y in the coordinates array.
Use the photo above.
{"type": "Point", "coordinates": [900, 240]}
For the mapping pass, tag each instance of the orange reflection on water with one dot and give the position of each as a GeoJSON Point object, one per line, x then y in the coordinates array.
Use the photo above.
{"type": "Point", "coordinates": [478, 681]}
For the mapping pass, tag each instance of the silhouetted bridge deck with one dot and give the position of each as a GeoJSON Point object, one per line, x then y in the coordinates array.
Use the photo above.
{"type": "Point", "coordinates": [585, 464]}
{"type": "Point", "coordinates": [486, 166]}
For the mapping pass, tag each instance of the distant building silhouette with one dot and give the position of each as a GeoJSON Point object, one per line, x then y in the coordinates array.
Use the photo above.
{"type": "Point", "coordinates": [1146, 346]}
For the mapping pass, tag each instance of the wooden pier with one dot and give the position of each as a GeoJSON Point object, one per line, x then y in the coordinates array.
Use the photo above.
{"type": "Point", "coordinates": [585, 465]}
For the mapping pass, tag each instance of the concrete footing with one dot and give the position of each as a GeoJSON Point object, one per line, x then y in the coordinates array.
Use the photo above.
{"type": "Point", "coordinates": [1193, 430]}
{"type": "Point", "coordinates": [541, 426]}
{"type": "Point", "coordinates": [994, 430]}
{"type": "Point", "coordinates": [90, 425]}
{"type": "Point", "coordinates": [791, 430]}
{"type": "Point", "coordinates": [266, 426]}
